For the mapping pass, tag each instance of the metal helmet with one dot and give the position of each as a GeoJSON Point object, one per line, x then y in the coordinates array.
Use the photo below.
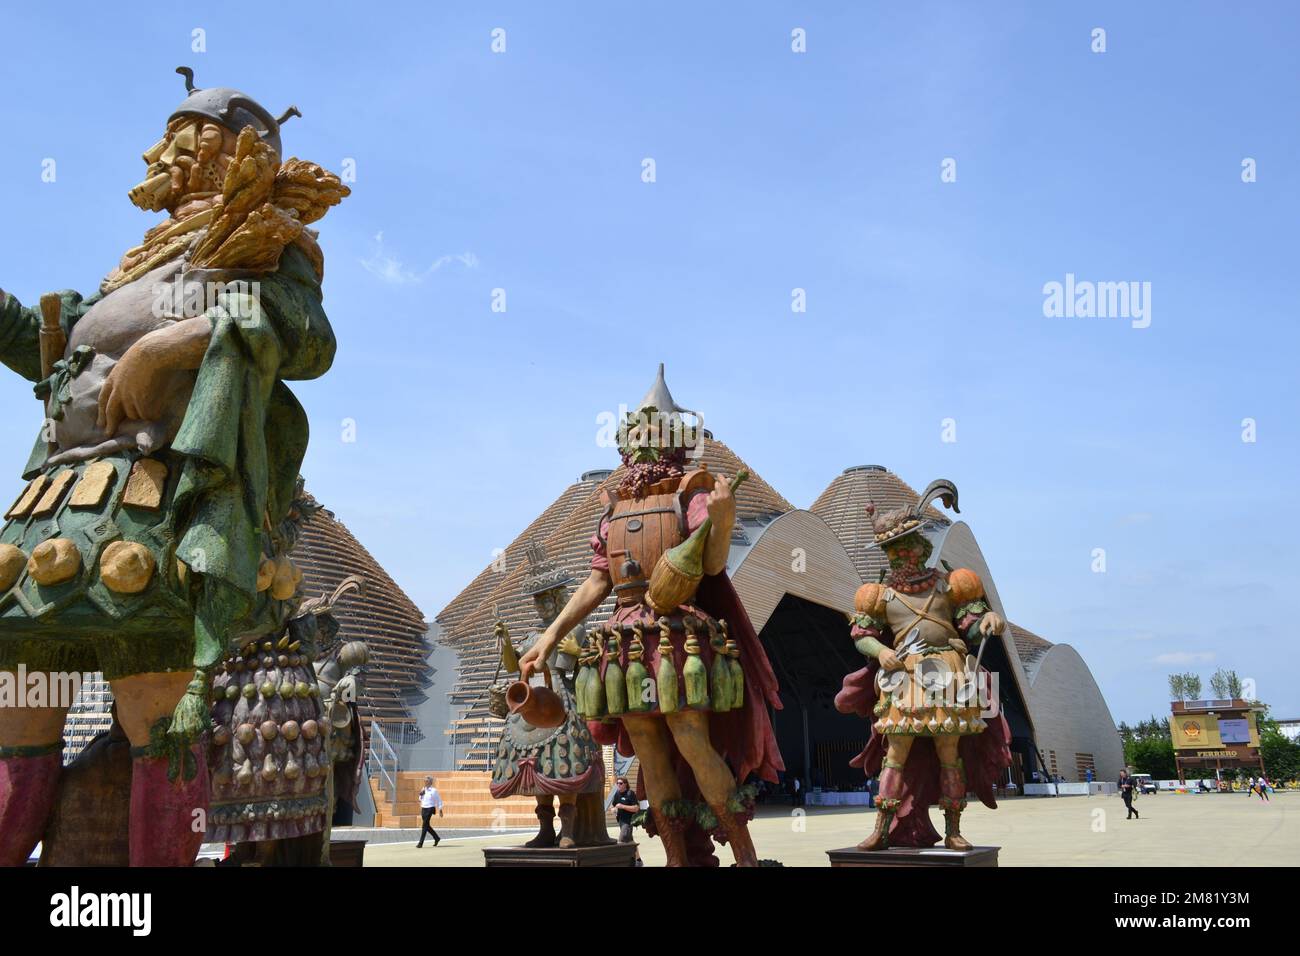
{"type": "Point", "coordinates": [232, 109]}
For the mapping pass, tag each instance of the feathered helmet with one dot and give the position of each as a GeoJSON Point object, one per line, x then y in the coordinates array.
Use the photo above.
{"type": "Point", "coordinates": [314, 619]}
{"type": "Point", "coordinates": [889, 526]}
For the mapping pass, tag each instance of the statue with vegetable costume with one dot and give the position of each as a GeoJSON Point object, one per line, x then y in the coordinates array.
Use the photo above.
{"type": "Point", "coordinates": [144, 542]}
{"type": "Point", "coordinates": [923, 628]}
{"type": "Point", "coordinates": [676, 674]}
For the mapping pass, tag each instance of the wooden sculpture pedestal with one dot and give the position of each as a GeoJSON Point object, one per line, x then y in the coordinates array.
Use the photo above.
{"type": "Point", "coordinates": [935, 856]}
{"type": "Point", "coordinates": [347, 853]}
{"type": "Point", "coordinates": [613, 854]}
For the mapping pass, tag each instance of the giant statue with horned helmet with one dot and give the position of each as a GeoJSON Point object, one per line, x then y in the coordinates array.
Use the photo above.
{"type": "Point", "coordinates": [146, 543]}
{"type": "Point", "coordinates": [937, 732]}
{"type": "Point", "coordinates": [675, 674]}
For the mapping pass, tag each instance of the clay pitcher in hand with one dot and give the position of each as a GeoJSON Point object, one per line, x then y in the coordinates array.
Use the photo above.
{"type": "Point", "coordinates": [539, 706]}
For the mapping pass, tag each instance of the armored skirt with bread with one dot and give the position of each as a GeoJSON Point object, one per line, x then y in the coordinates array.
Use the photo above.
{"type": "Point", "coordinates": [136, 551]}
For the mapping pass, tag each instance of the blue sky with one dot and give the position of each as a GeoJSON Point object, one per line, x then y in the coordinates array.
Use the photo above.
{"type": "Point", "coordinates": [522, 171]}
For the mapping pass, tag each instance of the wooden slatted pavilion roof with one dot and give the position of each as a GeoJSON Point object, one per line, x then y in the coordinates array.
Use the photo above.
{"type": "Point", "coordinates": [540, 529]}
{"type": "Point", "coordinates": [382, 616]}
{"type": "Point", "coordinates": [843, 506]}
{"type": "Point", "coordinates": [1029, 646]}
{"type": "Point", "coordinates": [566, 538]}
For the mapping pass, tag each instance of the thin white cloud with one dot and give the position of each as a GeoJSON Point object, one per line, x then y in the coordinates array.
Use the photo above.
{"type": "Point", "coordinates": [392, 270]}
{"type": "Point", "coordinates": [1184, 657]}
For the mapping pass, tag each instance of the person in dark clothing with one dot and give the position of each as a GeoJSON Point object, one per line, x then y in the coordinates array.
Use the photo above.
{"type": "Point", "coordinates": [1127, 792]}
{"type": "Point", "coordinates": [627, 806]}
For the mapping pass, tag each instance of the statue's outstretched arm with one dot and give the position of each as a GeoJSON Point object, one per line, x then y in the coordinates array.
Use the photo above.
{"type": "Point", "coordinates": [585, 600]}
{"type": "Point", "coordinates": [20, 331]}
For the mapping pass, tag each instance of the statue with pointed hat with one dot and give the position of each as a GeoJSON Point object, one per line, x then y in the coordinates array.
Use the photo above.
{"type": "Point", "coordinates": [146, 543]}
{"type": "Point", "coordinates": [675, 675]}
{"type": "Point", "coordinates": [937, 733]}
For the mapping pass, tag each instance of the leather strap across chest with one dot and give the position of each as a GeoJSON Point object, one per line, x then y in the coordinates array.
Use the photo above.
{"type": "Point", "coordinates": [922, 613]}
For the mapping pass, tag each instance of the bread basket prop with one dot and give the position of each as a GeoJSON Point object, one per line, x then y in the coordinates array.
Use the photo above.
{"type": "Point", "coordinates": [679, 570]}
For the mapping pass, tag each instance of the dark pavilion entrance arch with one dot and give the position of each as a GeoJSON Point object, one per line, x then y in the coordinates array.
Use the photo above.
{"type": "Point", "coordinates": [811, 651]}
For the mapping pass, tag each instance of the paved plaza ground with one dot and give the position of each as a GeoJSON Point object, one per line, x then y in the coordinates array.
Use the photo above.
{"type": "Point", "coordinates": [1175, 830]}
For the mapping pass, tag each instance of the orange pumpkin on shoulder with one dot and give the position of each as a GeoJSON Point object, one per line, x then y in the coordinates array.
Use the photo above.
{"type": "Point", "coordinates": [964, 585]}
{"type": "Point", "coordinates": [870, 600]}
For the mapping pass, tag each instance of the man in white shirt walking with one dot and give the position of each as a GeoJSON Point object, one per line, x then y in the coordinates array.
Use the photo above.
{"type": "Point", "coordinates": [430, 800]}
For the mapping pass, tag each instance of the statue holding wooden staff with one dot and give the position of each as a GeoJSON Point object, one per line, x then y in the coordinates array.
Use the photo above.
{"type": "Point", "coordinates": [144, 542]}
{"type": "Point", "coordinates": [676, 673]}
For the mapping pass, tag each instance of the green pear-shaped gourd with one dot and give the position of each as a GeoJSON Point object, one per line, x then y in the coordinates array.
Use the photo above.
{"type": "Point", "coordinates": [596, 690]}
{"type": "Point", "coordinates": [737, 675]}
{"type": "Point", "coordinates": [615, 685]}
{"type": "Point", "coordinates": [695, 675]}
{"type": "Point", "coordinates": [666, 673]}
{"type": "Point", "coordinates": [678, 571]}
{"type": "Point", "coordinates": [637, 674]}
{"type": "Point", "coordinates": [719, 672]}
{"type": "Point", "coordinates": [580, 688]}
{"type": "Point", "coordinates": [688, 557]}
{"type": "Point", "coordinates": [586, 673]}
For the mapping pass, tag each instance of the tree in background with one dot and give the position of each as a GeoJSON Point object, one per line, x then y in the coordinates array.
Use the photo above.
{"type": "Point", "coordinates": [1225, 684]}
{"type": "Point", "coordinates": [1280, 753]}
{"type": "Point", "coordinates": [1177, 686]}
{"type": "Point", "coordinates": [1154, 755]}
{"type": "Point", "coordinates": [1148, 747]}
{"type": "Point", "coordinates": [1184, 687]}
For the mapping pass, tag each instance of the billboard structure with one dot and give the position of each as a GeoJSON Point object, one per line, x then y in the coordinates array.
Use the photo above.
{"type": "Point", "coordinates": [1214, 735]}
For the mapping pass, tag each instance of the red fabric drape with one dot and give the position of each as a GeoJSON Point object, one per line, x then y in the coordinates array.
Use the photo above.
{"type": "Point", "coordinates": [527, 779]}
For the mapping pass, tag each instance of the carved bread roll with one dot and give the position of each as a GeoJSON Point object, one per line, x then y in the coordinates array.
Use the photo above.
{"type": "Point", "coordinates": [12, 561]}
{"type": "Point", "coordinates": [265, 574]}
{"type": "Point", "coordinates": [126, 567]}
{"type": "Point", "coordinates": [285, 581]}
{"type": "Point", "coordinates": [54, 561]}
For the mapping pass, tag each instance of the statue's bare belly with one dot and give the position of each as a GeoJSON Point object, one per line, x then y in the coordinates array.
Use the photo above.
{"type": "Point", "coordinates": [112, 326]}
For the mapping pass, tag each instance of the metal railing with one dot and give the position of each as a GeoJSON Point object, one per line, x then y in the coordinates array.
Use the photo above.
{"type": "Point", "coordinates": [382, 762]}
